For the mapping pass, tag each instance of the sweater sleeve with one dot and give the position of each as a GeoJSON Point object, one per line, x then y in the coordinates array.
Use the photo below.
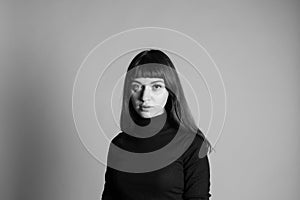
{"type": "Point", "coordinates": [108, 193]}
{"type": "Point", "coordinates": [196, 172]}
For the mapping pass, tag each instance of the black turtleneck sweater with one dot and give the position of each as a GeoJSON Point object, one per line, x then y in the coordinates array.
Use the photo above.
{"type": "Point", "coordinates": [187, 178]}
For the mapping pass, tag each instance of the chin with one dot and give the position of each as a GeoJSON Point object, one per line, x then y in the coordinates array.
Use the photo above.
{"type": "Point", "coordinates": [145, 115]}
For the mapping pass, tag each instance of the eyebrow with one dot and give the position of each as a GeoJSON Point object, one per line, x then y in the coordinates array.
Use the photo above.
{"type": "Point", "coordinates": [158, 81]}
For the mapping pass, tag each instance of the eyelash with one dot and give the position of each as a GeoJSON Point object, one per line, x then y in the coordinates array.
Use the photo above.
{"type": "Point", "coordinates": [157, 85]}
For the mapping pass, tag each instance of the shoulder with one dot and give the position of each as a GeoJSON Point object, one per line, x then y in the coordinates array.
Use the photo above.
{"type": "Point", "coordinates": [118, 139]}
{"type": "Point", "coordinates": [198, 148]}
{"type": "Point", "coordinates": [197, 143]}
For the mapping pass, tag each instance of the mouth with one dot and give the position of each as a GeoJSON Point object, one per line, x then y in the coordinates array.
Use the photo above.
{"type": "Point", "coordinates": [145, 107]}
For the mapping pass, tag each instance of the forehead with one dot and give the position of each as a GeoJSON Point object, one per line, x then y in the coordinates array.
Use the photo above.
{"type": "Point", "coordinates": [145, 81]}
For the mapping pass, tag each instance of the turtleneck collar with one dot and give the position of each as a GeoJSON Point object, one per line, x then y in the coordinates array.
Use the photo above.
{"type": "Point", "coordinates": [148, 127]}
{"type": "Point", "coordinates": [141, 121]}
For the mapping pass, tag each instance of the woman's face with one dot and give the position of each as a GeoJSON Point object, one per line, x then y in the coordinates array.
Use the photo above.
{"type": "Point", "coordinates": [149, 96]}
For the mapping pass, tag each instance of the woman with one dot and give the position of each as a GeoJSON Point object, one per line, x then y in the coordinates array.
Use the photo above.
{"type": "Point", "coordinates": [154, 108]}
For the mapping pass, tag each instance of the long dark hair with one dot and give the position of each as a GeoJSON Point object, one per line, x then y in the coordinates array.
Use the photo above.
{"type": "Point", "coordinates": [176, 107]}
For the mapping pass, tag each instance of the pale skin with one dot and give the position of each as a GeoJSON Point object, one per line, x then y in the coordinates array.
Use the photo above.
{"type": "Point", "coordinates": [149, 96]}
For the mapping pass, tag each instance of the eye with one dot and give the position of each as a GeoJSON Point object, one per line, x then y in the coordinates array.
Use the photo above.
{"type": "Point", "coordinates": [156, 87]}
{"type": "Point", "coordinates": [136, 88]}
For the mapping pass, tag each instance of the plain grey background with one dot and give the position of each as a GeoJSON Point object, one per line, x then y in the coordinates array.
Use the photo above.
{"type": "Point", "coordinates": [255, 44]}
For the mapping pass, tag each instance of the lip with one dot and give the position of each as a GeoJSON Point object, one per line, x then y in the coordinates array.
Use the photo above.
{"type": "Point", "coordinates": [145, 107]}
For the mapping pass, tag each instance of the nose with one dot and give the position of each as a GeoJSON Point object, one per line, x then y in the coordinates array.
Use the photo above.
{"type": "Point", "coordinates": [145, 94]}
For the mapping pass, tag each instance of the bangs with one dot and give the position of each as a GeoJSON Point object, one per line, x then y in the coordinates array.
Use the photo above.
{"type": "Point", "coordinates": [149, 71]}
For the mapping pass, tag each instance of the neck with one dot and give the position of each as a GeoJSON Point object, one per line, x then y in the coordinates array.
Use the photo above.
{"type": "Point", "coordinates": [147, 127]}
{"type": "Point", "coordinates": [141, 121]}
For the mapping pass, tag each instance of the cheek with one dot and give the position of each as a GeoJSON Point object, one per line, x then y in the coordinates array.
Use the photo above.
{"type": "Point", "coordinates": [163, 100]}
{"type": "Point", "coordinates": [134, 95]}
{"type": "Point", "coordinates": [133, 99]}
